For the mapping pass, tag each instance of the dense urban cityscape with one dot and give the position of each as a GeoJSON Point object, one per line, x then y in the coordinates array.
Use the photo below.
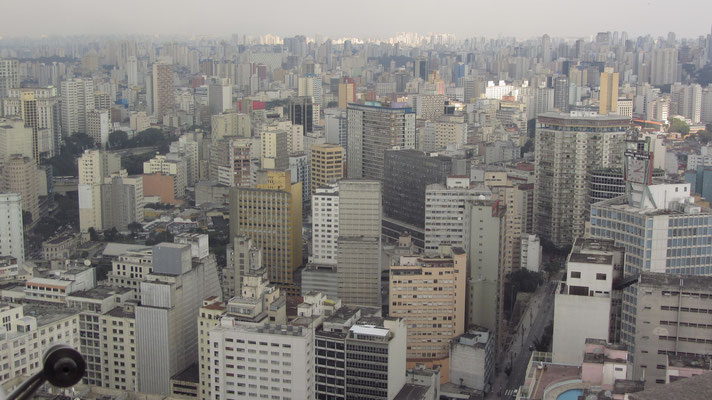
{"type": "Point", "coordinates": [420, 216]}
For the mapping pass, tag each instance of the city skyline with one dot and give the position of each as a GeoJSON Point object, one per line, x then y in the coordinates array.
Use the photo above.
{"type": "Point", "coordinates": [383, 19]}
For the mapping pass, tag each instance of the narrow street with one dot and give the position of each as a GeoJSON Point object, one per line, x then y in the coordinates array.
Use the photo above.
{"type": "Point", "coordinates": [518, 354]}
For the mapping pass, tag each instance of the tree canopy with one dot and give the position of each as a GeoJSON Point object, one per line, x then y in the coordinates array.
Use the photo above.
{"type": "Point", "coordinates": [679, 126]}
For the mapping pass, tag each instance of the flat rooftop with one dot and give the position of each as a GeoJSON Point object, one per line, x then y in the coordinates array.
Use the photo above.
{"type": "Point", "coordinates": [47, 315]}
{"type": "Point", "coordinates": [591, 258]}
{"type": "Point", "coordinates": [190, 374]}
{"type": "Point", "coordinates": [663, 280]}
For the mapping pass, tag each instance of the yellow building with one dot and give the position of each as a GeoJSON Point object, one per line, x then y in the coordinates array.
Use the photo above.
{"type": "Point", "coordinates": [609, 92]}
{"type": "Point", "coordinates": [327, 164]}
{"type": "Point", "coordinates": [271, 214]}
{"type": "Point", "coordinates": [429, 294]}
{"type": "Point", "coordinates": [346, 94]}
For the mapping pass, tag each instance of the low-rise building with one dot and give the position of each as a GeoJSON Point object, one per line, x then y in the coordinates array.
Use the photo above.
{"type": "Point", "coordinates": [60, 247]}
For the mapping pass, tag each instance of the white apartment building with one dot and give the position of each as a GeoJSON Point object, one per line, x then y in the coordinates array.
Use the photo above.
{"type": "Point", "coordinates": [27, 332]}
{"type": "Point", "coordinates": [94, 166]}
{"type": "Point", "coordinates": [77, 100]}
{"type": "Point", "coordinates": [325, 224]}
{"type": "Point", "coordinates": [531, 253]}
{"type": "Point", "coordinates": [446, 219]}
{"type": "Point", "coordinates": [98, 124]}
{"type": "Point", "coordinates": [583, 303]}
{"type": "Point", "coordinates": [12, 242]}
{"type": "Point", "coordinates": [266, 360]}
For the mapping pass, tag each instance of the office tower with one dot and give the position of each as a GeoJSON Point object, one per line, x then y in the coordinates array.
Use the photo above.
{"type": "Point", "coordinates": [40, 109]}
{"type": "Point", "coordinates": [359, 243]}
{"type": "Point", "coordinates": [132, 71]}
{"type": "Point", "coordinates": [121, 201]}
{"type": "Point", "coordinates": [446, 219]}
{"type": "Point", "coordinates": [706, 107]}
{"type": "Point", "coordinates": [371, 131]}
{"type": "Point", "coordinates": [301, 112]}
{"type": "Point", "coordinates": [427, 106]}
{"type": "Point", "coordinates": [561, 93]}
{"type": "Point", "coordinates": [421, 67]}
{"type": "Point", "coordinates": [326, 165]}
{"type": "Point", "coordinates": [473, 88]}
{"type": "Point", "coordinates": [485, 273]}
{"type": "Point", "coordinates": [406, 174]}
{"type": "Point", "coordinates": [347, 94]}
{"type": "Point", "coordinates": [15, 138]}
{"type": "Point", "coordinates": [176, 168]}
{"type": "Point", "coordinates": [188, 147]}
{"type": "Point", "coordinates": [544, 100]}
{"type": "Point", "coordinates": [336, 127]}
{"type": "Point", "coordinates": [98, 126]}
{"type": "Point", "coordinates": [586, 305]}
{"type": "Point", "coordinates": [310, 86]}
{"type": "Point", "coordinates": [163, 92]}
{"type": "Point", "coordinates": [669, 322]}
{"type": "Point", "coordinates": [230, 124]}
{"type": "Point", "coordinates": [77, 100]}
{"type": "Point", "coordinates": [690, 102]}
{"type": "Point", "coordinates": [608, 102]}
{"type": "Point", "coordinates": [370, 355]}
{"type": "Point", "coordinates": [131, 268]}
{"type": "Point", "coordinates": [299, 169]}
{"type": "Point", "coordinates": [275, 154]}
{"type": "Point", "coordinates": [242, 256]}
{"type": "Point", "coordinates": [625, 107]}
{"type": "Point", "coordinates": [19, 175]}
{"type": "Point", "coordinates": [220, 96]}
{"type": "Point", "coordinates": [32, 330]}
{"type": "Point", "coordinates": [412, 286]}
{"type": "Point", "coordinates": [566, 147]}
{"type": "Point", "coordinates": [12, 239]}
{"type": "Point", "coordinates": [166, 328]}
{"type": "Point", "coordinates": [94, 166]}
{"type": "Point", "coordinates": [663, 67]}
{"type": "Point", "coordinates": [325, 224]}
{"type": "Point", "coordinates": [271, 215]}
{"type": "Point", "coordinates": [9, 76]}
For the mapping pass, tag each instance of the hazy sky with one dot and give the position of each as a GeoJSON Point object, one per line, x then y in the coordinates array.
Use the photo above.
{"type": "Point", "coordinates": [362, 18]}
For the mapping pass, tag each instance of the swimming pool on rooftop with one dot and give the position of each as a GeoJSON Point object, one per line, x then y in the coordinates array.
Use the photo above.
{"type": "Point", "coordinates": [572, 394]}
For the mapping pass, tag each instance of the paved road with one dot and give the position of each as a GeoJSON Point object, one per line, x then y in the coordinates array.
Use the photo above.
{"type": "Point", "coordinates": [518, 354]}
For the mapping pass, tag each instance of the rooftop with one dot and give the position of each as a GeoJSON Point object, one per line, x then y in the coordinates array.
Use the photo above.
{"type": "Point", "coordinates": [662, 280]}
{"type": "Point", "coordinates": [47, 315]}
{"type": "Point", "coordinates": [99, 292]}
{"type": "Point", "coordinates": [190, 374]}
{"type": "Point", "coordinates": [689, 362]}
{"type": "Point", "coordinates": [693, 388]}
{"type": "Point", "coordinates": [412, 392]}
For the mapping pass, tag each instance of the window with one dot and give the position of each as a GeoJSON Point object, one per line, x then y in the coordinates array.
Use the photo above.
{"type": "Point", "coordinates": [575, 274]}
{"type": "Point", "coordinates": [601, 277]}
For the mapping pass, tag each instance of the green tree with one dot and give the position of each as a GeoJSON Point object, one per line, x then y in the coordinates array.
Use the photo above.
{"type": "Point", "coordinates": [135, 227]}
{"type": "Point", "coordinates": [26, 218]}
{"type": "Point", "coordinates": [679, 126]}
{"type": "Point", "coordinates": [111, 234]}
{"type": "Point", "coordinates": [93, 235]}
{"type": "Point", "coordinates": [118, 139]}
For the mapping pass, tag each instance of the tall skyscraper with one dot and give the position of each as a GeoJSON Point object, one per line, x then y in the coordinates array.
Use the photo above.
{"type": "Point", "coordinates": [12, 242]}
{"type": "Point", "coordinates": [163, 92]}
{"type": "Point", "coordinates": [132, 71]}
{"type": "Point", "coordinates": [77, 100]}
{"type": "Point", "coordinates": [566, 147]}
{"type": "Point", "coordinates": [271, 215]}
{"type": "Point", "coordinates": [325, 224]}
{"type": "Point", "coordinates": [608, 103]}
{"type": "Point", "coordinates": [98, 126]}
{"type": "Point", "coordinates": [40, 109]}
{"type": "Point", "coordinates": [166, 328]}
{"type": "Point", "coordinates": [220, 96]}
{"type": "Point", "coordinates": [301, 112]}
{"type": "Point", "coordinates": [326, 165]}
{"type": "Point", "coordinates": [347, 94]}
{"type": "Point", "coordinates": [121, 201]}
{"type": "Point", "coordinates": [664, 67]}
{"type": "Point", "coordinates": [371, 131]}
{"type": "Point", "coordinates": [94, 166]}
{"type": "Point", "coordinates": [275, 153]}
{"type": "Point", "coordinates": [9, 76]}
{"type": "Point", "coordinates": [359, 242]}
{"type": "Point", "coordinates": [561, 93]}
{"type": "Point", "coordinates": [19, 175]}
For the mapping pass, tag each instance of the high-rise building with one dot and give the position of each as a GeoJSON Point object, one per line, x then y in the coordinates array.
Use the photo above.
{"type": "Point", "coordinates": [132, 71]}
{"type": "Point", "coordinates": [561, 93]}
{"type": "Point", "coordinates": [19, 175]}
{"type": "Point", "coordinates": [301, 112]}
{"type": "Point", "coordinates": [300, 170]}
{"type": "Point", "coordinates": [98, 122]}
{"type": "Point", "coordinates": [94, 166]}
{"type": "Point", "coordinates": [336, 127]}
{"type": "Point", "coordinates": [449, 130]}
{"type": "Point", "coordinates": [347, 94]}
{"type": "Point", "coordinates": [220, 96]}
{"type": "Point", "coordinates": [412, 288]}
{"type": "Point", "coordinates": [446, 219]}
{"type": "Point", "coordinates": [166, 328]}
{"type": "Point", "coordinates": [310, 85]}
{"type": "Point", "coordinates": [12, 242]}
{"type": "Point", "coordinates": [369, 353]}
{"type": "Point", "coordinates": [121, 201]}
{"type": "Point", "coordinates": [77, 100]}
{"type": "Point", "coordinates": [371, 131]}
{"type": "Point", "coordinates": [326, 165]}
{"type": "Point", "coordinates": [664, 67]}
{"type": "Point", "coordinates": [40, 109]}
{"type": "Point", "coordinates": [275, 152]}
{"type": "Point", "coordinates": [163, 92]}
{"type": "Point", "coordinates": [9, 76]}
{"type": "Point", "coordinates": [325, 224]}
{"type": "Point", "coordinates": [421, 67]}
{"type": "Point", "coordinates": [585, 306]}
{"type": "Point", "coordinates": [359, 242]}
{"type": "Point", "coordinates": [162, 164]}
{"type": "Point", "coordinates": [15, 138]}
{"type": "Point", "coordinates": [608, 102]}
{"type": "Point", "coordinates": [566, 147]}
{"type": "Point", "coordinates": [486, 272]}
{"type": "Point", "coordinates": [271, 215]}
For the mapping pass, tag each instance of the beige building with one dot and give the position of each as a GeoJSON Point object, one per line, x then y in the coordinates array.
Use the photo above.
{"type": "Point", "coordinates": [347, 92]}
{"type": "Point", "coordinates": [40, 109]}
{"type": "Point", "coordinates": [429, 294]}
{"type": "Point", "coordinates": [94, 166]}
{"type": "Point", "coordinates": [20, 176]}
{"type": "Point", "coordinates": [271, 214]}
{"type": "Point", "coordinates": [275, 149]}
{"type": "Point", "coordinates": [161, 164]}
{"type": "Point", "coordinates": [98, 126]}
{"type": "Point", "coordinates": [608, 102]}
{"type": "Point", "coordinates": [77, 101]}
{"type": "Point", "coordinates": [163, 91]}
{"type": "Point", "coordinates": [139, 121]}
{"type": "Point", "coordinates": [327, 165]}
{"type": "Point", "coordinates": [230, 124]}
{"type": "Point", "coordinates": [130, 269]}
{"type": "Point", "coordinates": [450, 129]}
{"type": "Point", "coordinates": [15, 138]}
